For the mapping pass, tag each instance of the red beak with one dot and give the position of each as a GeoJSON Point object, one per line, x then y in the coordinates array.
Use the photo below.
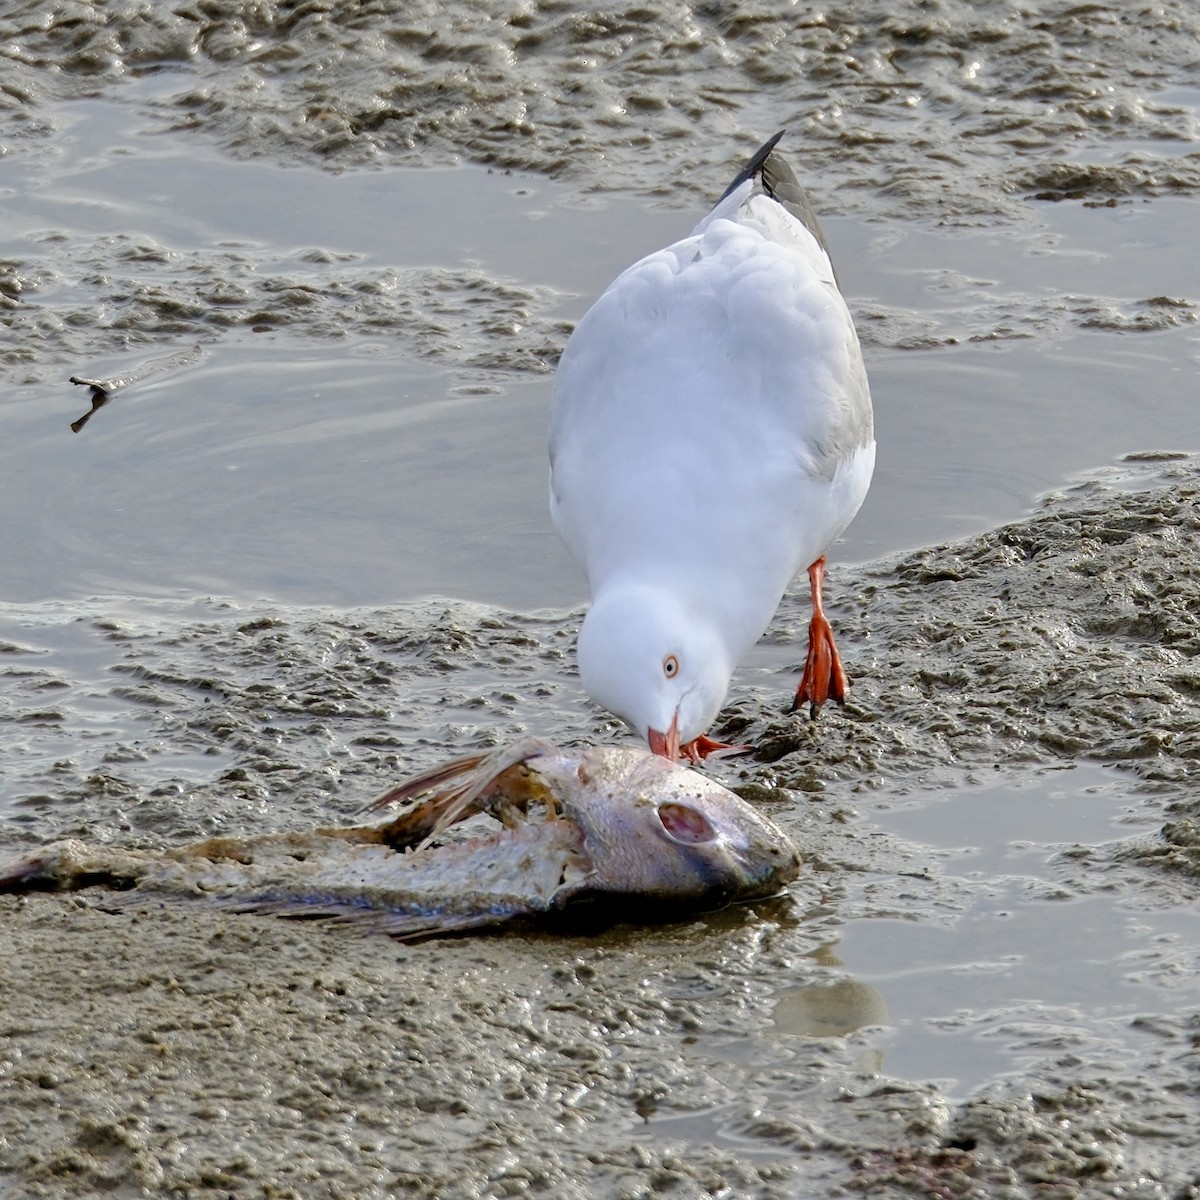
{"type": "Point", "coordinates": [666, 744]}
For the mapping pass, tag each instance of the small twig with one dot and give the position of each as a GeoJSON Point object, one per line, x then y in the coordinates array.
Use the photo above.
{"type": "Point", "coordinates": [103, 389]}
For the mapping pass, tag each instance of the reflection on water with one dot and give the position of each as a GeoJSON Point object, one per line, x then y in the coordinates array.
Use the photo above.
{"type": "Point", "coordinates": [100, 397]}
{"type": "Point", "coordinates": [103, 389]}
{"type": "Point", "coordinates": [830, 1007]}
{"type": "Point", "coordinates": [1027, 969]}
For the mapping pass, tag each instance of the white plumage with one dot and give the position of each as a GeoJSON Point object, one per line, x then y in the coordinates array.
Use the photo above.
{"type": "Point", "coordinates": [712, 436]}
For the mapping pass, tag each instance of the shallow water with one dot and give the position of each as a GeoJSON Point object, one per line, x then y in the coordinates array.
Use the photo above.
{"type": "Point", "coordinates": [405, 458]}
{"type": "Point", "coordinates": [1027, 969]}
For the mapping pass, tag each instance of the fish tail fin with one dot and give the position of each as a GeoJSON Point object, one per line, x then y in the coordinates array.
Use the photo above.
{"type": "Point", "coordinates": [68, 866]}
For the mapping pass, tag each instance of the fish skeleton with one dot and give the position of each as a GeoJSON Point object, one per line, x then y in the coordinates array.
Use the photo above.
{"type": "Point", "coordinates": [604, 823]}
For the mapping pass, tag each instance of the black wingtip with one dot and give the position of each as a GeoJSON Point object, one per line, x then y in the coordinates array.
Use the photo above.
{"type": "Point", "coordinates": [755, 164]}
{"type": "Point", "coordinates": [780, 183]}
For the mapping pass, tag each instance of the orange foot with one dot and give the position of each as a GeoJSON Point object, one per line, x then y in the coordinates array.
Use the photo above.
{"type": "Point", "coordinates": [700, 748]}
{"type": "Point", "coordinates": [824, 676]}
{"type": "Point", "coordinates": [667, 745]}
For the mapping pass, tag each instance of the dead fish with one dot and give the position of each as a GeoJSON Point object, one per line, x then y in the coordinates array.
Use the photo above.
{"type": "Point", "coordinates": [602, 824]}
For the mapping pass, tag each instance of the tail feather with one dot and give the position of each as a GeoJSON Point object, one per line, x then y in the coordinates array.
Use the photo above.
{"type": "Point", "coordinates": [754, 166]}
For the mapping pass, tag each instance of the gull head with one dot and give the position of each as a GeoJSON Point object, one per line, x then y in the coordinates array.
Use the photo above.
{"type": "Point", "coordinates": [657, 662]}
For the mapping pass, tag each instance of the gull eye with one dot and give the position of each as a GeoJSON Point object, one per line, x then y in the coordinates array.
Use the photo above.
{"type": "Point", "coordinates": [670, 666]}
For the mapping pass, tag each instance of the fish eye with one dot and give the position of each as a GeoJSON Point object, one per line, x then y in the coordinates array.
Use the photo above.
{"type": "Point", "coordinates": [670, 666]}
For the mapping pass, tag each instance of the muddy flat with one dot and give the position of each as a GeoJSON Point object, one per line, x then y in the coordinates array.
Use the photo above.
{"type": "Point", "coordinates": [311, 555]}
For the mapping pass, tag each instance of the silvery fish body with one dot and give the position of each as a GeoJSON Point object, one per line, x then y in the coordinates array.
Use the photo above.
{"type": "Point", "coordinates": [589, 825]}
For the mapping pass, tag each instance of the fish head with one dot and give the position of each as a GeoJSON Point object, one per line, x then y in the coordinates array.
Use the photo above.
{"type": "Point", "coordinates": [656, 830]}
{"type": "Point", "coordinates": [656, 662]}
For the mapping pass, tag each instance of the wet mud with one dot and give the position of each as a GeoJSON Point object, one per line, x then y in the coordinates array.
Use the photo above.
{"type": "Point", "coordinates": [170, 1052]}
{"type": "Point", "coordinates": [140, 291]}
{"type": "Point", "coordinates": [194, 1052]}
{"type": "Point", "coordinates": [946, 108]}
{"type": "Point", "coordinates": [952, 114]}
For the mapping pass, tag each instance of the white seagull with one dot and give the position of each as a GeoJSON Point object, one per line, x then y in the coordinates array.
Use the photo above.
{"type": "Point", "coordinates": [712, 436]}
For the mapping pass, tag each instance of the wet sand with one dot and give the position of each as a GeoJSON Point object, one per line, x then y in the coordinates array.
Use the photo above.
{"type": "Point", "coordinates": [876, 1031]}
{"type": "Point", "coordinates": [189, 1052]}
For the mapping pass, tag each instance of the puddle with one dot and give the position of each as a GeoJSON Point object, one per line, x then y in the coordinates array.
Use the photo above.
{"type": "Point", "coordinates": [1028, 970]}
{"type": "Point", "coordinates": [263, 472]}
{"type": "Point", "coordinates": [350, 470]}
{"type": "Point", "coordinates": [112, 176]}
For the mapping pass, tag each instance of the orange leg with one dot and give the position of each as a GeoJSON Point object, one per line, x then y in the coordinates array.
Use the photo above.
{"type": "Point", "coordinates": [824, 676]}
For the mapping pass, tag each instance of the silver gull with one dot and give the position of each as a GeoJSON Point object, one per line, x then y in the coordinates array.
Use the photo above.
{"type": "Point", "coordinates": [712, 436]}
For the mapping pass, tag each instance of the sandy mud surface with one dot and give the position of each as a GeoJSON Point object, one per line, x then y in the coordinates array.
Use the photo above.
{"type": "Point", "coordinates": [951, 114]}
{"type": "Point", "coordinates": [614, 97]}
{"type": "Point", "coordinates": [186, 1052]}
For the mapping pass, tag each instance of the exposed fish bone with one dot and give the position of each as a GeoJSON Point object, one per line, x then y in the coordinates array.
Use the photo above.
{"type": "Point", "coordinates": [603, 823]}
